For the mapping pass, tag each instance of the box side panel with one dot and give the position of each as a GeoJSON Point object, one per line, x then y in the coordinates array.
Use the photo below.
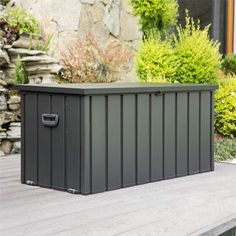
{"type": "Point", "coordinates": [98, 144]}
{"type": "Point", "coordinates": [44, 142]}
{"type": "Point", "coordinates": [194, 132]}
{"type": "Point", "coordinates": [22, 138]}
{"type": "Point", "coordinates": [143, 138]}
{"type": "Point", "coordinates": [129, 141]}
{"type": "Point", "coordinates": [58, 143]}
{"type": "Point", "coordinates": [156, 135]}
{"type": "Point", "coordinates": [212, 101]}
{"type": "Point", "coordinates": [114, 108]}
{"type": "Point", "coordinates": [72, 143]}
{"type": "Point", "coordinates": [205, 132]}
{"type": "Point", "coordinates": [85, 127]}
{"type": "Point", "coordinates": [182, 134]}
{"type": "Point", "coordinates": [169, 135]}
{"type": "Point", "coordinates": [30, 139]}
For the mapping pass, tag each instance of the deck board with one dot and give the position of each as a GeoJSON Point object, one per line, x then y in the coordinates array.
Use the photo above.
{"type": "Point", "coordinates": [182, 206]}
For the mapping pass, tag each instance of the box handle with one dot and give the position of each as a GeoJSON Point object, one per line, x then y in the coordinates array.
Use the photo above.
{"type": "Point", "coordinates": [50, 120]}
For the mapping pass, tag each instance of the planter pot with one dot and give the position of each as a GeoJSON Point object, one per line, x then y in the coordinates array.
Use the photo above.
{"type": "Point", "coordinates": [93, 138]}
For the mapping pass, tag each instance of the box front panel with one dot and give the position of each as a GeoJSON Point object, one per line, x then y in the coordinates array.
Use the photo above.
{"type": "Point", "coordinates": [52, 141]}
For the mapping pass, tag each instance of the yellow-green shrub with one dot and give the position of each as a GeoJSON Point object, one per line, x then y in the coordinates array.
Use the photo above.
{"type": "Point", "coordinates": [155, 15]}
{"type": "Point", "coordinates": [155, 61]}
{"type": "Point", "coordinates": [197, 54]}
{"type": "Point", "coordinates": [225, 108]}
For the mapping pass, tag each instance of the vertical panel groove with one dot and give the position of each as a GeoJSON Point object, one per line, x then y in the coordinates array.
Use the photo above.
{"type": "Point", "coordinates": [200, 153]}
{"type": "Point", "coordinates": [37, 138]}
{"type": "Point", "coordinates": [90, 143]}
{"type": "Point", "coordinates": [136, 139]}
{"type": "Point", "coordinates": [176, 130]}
{"type": "Point", "coordinates": [121, 140]}
{"type": "Point", "coordinates": [163, 137]}
{"type": "Point", "coordinates": [50, 139]}
{"type": "Point", "coordinates": [64, 140]}
{"type": "Point", "coordinates": [212, 130]}
{"type": "Point", "coordinates": [150, 138]}
{"type": "Point", "coordinates": [23, 138]}
{"type": "Point", "coordinates": [188, 133]}
{"type": "Point", "coordinates": [80, 144]}
{"type": "Point", "coordinates": [106, 141]}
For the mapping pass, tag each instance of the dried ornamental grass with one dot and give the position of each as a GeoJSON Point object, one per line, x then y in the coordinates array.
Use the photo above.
{"type": "Point", "coordinates": [87, 61]}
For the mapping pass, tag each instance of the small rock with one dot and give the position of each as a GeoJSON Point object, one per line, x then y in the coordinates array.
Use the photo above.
{"type": "Point", "coordinates": [14, 99]}
{"type": "Point", "coordinates": [3, 90]}
{"type": "Point", "coordinates": [44, 59]}
{"type": "Point", "coordinates": [4, 58]}
{"type": "Point", "coordinates": [14, 133]}
{"type": "Point", "coordinates": [14, 107]}
{"type": "Point", "coordinates": [16, 147]}
{"type": "Point", "coordinates": [2, 153]}
{"type": "Point", "coordinates": [15, 124]}
{"type": "Point", "coordinates": [25, 52]}
{"type": "Point", "coordinates": [39, 69]}
{"type": "Point", "coordinates": [3, 135]}
{"type": "Point", "coordinates": [3, 103]}
{"type": "Point", "coordinates": [6, 147]}
{"type": "Point", "coordinates": [9, 117]}
{"type": "Point", "coordinates": [2, 118]}
{"type": "Point", "coordinates": [25, 42]}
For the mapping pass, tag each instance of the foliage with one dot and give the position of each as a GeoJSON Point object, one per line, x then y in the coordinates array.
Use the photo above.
{"type": "Point", "coordinates": [20, 75]}
{"type": "Point", "coordinates": [225, 149]}
{"type": "Point", "coordinates": [225, 108]}
{"type": "Point", "coordinates": [19, 19]}
{"type": "Point", "coordinates": [229, 64]}
{"type": "Point", "coordinates": [46, 43]}
{"type": "Point", "coordinates": [87, 61]}
{"type": "Point", "coordinates": [197, 54]}
{"type": "Point", "coordinates": [156, 61]}
{"type": "Point", "coordinates": [155, 15]}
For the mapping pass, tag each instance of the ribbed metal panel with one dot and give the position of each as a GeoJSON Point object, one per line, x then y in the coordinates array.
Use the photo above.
{"type": "Point", "coordinates": [107, 142]}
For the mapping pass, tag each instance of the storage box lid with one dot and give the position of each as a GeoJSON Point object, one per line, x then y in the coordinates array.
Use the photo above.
{"type": "Point", "coordinates": [114, 88]}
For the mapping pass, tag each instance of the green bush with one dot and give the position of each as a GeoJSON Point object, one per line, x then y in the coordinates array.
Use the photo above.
{"type": "Point", "coordinates": [198, 55]}
{"type": "Point", "coordinates": [225, 108]}
{"type": "Point", "coordinates": [225, 149]}
{"type": "Point", "coordinates": [155, 15]}
{"type": "Point", "coordinates": [229, 64]}
{"type": "Point", "coordinates": [19, 19]}
{"type": "Point", "coordinates": [20, 75]}
{"type": "Point", "coordinates": [156, 61]}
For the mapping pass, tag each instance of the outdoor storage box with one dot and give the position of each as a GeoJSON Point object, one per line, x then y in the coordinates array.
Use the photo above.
{"type": "Point", "coordinates": [90, 138]}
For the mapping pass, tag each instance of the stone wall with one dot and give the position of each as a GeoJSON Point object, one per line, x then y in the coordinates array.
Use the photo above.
{"type": "Point", "coordinates": [66, 19]}
{"type": "Point", "coordinates": [40, 67]}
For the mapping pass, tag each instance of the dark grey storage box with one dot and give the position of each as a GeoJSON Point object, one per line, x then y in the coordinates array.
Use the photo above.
{"type": "Point", "coordinates": [92, 138]}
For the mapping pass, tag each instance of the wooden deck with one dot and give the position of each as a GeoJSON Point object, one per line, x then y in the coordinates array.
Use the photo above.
{"type": "Point", "coordinates": [184, 206]}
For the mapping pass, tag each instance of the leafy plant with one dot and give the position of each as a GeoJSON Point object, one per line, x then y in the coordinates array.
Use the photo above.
{"type": "Point", "coordinates": [20, 75]}
{"type": "Point", "coordinates": [229, 64]}
{"type": "Point", "coordinates": [155, 15]}
{"type": "Point", "coordinates": [225, 149]}
{"type": "Point", "coordinates": [18, 18]}
{"type": "Point", "coordinates": [225, 108]}
{"type": "Point", "coordinates": [198, 55]}
{"type": "Point", "coordinates": [156, 60]}
{"type": "Point", "coordinates": [87, 61]}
